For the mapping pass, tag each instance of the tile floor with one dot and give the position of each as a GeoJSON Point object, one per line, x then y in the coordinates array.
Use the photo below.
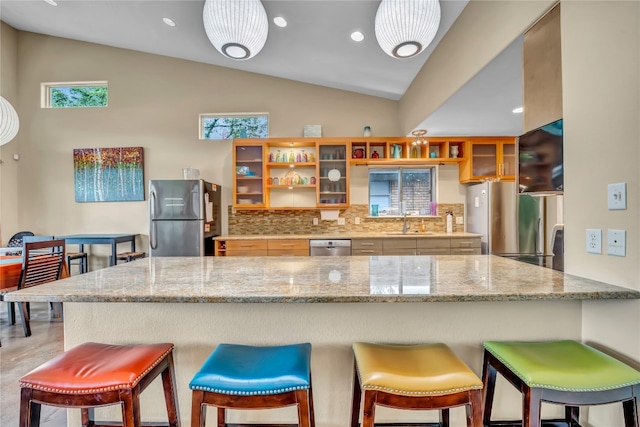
{"type": "Point", "coordinates": [19, 355]}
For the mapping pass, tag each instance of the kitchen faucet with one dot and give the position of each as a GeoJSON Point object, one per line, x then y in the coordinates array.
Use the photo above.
{"type": "Point", "coordinates": [405, 227]}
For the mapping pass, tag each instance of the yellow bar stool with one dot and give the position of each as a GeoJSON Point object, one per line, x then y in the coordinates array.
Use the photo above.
{"type": "Point", "coordinates": [566, 373]}
{"type": "Point", "coordinates": [426, 376]}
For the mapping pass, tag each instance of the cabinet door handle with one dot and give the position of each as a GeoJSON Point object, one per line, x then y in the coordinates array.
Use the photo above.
{"type": "Point", "coordinates": [366, 244]}
{"type": "Point", "coordinates": [247, 245]}
{"type": "Point", "coordinates": [365, 251]}
{"type": "Point", "coordinates": [286, 244]}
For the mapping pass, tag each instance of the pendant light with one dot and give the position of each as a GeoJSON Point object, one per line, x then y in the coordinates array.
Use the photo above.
{"type": "Point", "coordinates": [9, 122]}
{"type": "Point", "coordinates": [404, 28]}
{"type": "Point", "coordinates": [237, 28]}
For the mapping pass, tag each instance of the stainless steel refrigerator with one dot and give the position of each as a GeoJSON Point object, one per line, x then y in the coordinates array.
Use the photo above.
{"type": "Point", "coordinates": [184, 216]}
{"type": "Point", "coordinates": [519, 226]}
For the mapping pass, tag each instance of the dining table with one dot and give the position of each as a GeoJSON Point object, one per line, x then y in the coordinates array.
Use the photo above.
{"type": "Point", "coordinates": [101, 239]}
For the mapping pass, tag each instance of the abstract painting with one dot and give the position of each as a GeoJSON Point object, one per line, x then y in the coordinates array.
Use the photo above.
{"type": "Point", "coordinates": [108, 174]}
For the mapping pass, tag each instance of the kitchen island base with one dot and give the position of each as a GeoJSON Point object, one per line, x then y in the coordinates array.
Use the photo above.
{"type": "Point", "coordinates": [331, 328]}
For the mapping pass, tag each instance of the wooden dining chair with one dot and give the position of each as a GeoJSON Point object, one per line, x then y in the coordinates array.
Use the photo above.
{"type": "Point", "coordinates": [42, 262]}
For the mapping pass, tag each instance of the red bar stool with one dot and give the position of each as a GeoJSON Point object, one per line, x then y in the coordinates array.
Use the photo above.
{"type": "Point", "coordinates": [93, 374]}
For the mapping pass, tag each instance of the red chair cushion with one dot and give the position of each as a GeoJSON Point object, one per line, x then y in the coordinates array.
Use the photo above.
{"type": "Point", "coordinates": [95, 368]}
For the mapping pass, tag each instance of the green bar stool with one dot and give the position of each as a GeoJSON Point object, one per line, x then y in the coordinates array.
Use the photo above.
{"type": "Point", "coordinates": [566, 373]}
{"type": "Point", "coordinates": [427, 376]}
{"type": "Point", "coordinates": [248, 377]}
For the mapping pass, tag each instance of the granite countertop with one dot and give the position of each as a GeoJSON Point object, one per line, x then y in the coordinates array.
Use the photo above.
{"type": "Point", "coordinates": [349, 235]}
{"type": "Point", "coordinates": [354, 279]}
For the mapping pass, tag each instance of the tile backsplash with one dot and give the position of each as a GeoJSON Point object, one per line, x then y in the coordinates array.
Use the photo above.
{"type": "Point", "coordinates": [301, 221]}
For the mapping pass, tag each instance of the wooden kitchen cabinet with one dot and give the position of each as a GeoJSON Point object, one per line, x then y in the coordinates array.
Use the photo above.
{"type": "Point", "coordinates": [433, 246]}
{"type": "Point", "coordinates": [466, 246]}
{"type": "Point", "coordinates": [402, 151]}
{"type": "Point", "coordinates": [254, 247]}
{"type": "Point", "coordinates": [248, 182]}
{"type": "Point", "coordinates": [288, 247]}
{"type": "Point", "coordinates": [366, 246]}
{"type": "Point", "coordinates": [488, 158]}
{"type": "Point", "coordinates": [399, 246]}
{"type": "Point", "coordinates": [291, 174]}
{"type": "Point", "coordinates": [332, 189]}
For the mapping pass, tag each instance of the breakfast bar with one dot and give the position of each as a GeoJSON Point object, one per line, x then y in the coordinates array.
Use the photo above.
{"type": "Point", "coordinates": [330, 302]}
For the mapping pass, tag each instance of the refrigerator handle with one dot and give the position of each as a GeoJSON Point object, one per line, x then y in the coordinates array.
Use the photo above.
{"type": "Point", "coordinates": [152, 232]}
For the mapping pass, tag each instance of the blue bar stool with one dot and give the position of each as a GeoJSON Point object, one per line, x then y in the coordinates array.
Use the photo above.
{"type": "Point", "coordinates": [247, 377]}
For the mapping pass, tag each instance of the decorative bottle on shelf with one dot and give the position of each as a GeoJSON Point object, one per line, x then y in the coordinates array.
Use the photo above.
{"type": "Point", "coordinates": [278, 157]}
{"type": "Point", "coordinates": [271, 159]}
{"type": "Point", "coordinates": [367, 131]}
{"type": "Point", "coordinates": [291, 157]}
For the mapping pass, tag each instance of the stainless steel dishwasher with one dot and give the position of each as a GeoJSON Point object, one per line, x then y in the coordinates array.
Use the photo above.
{"type": "Point", "coordinates": [339, 247]}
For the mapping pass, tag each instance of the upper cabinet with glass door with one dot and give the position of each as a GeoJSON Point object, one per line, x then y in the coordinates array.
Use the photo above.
{"type": "Point", "coordinates": [333, 174]}
{"type": "Point", "coordinates": [248, 182]}
{"type": "Point", "coordinates": [488, 158]}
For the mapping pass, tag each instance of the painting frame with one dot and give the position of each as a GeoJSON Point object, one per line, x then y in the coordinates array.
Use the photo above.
{"type": "Point", "coordinates": [227, 126]}
{"type": "Point", "coordinates": [108, 174]}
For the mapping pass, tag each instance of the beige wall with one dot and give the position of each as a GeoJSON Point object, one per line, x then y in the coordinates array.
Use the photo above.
{"type": "Point", "coordinates": [483, 30]}
{"type": "Point", "coordinates": [601, 97]}
{"type": "Point", "coordinates": [154, 102]}
{"type": "Point", "coordinates": [8, 167]}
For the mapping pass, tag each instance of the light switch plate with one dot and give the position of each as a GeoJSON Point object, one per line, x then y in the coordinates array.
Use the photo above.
{"type": "Point", "coordinates": [459, 220]}
{"type": "Point", "coordinates": [616, 242]}
{"type": "Point", "coordinates": [617, 196]}
{"type": "Point", "coordinates": [594, 240]}
{"type": "Point", "coordinates": [341, 221]}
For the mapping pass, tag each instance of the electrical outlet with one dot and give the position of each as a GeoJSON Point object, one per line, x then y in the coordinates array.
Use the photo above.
{"type": "Point", "coordinates": [341, 221]}
{"type": "Point", "coordinates": [594, 240]}
{"type": "Point", "coordinates": [315, 221]}
{"type": "Point", "coordinates": [616, 242]}
{"type": "Point", "coordinates": [356, 220]}
{"type": "Point", "coordinates": [459, 220]}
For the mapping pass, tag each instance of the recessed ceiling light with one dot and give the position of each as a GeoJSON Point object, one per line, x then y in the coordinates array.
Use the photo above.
{"type": "Point", "coordinates": [51, 2]}
{"type": "Point", "coordinates": [170, 22]}
{"type": "Point", "coordinates": [517, 110]}
{"type": "Point", "coordinates": [280, 21]}
{"type": "Point", "coordinates": [357, 36]}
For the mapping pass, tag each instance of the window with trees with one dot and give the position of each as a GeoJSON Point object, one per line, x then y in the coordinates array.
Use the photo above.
{"type": "Point", "coordinates": [76, 94]}
{"type": "Point", "coordinates": [235, 125]}
{"type": "Point", "coordinates": [397, 191]}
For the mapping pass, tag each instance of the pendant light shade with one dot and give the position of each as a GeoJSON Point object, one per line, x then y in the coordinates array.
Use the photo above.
{"type": "Point", "coordinates": [237, 28]}
{"type": "Point", "coordinates": [9, 122]}
{"type": "Point", "coordinates": [404, 28]}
